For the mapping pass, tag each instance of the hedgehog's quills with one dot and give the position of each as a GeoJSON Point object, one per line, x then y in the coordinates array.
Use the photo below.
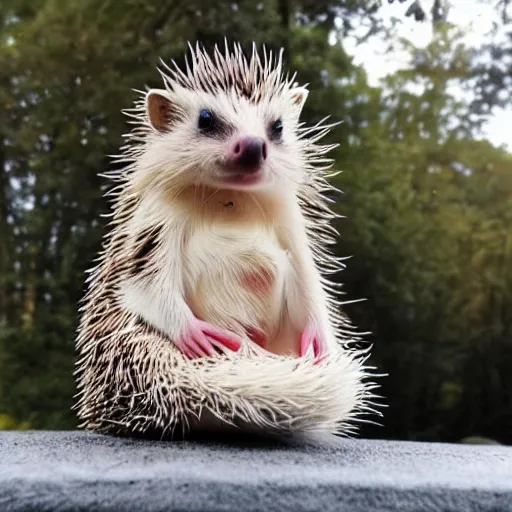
{"type": "Point", "coordinates": [219, 240]}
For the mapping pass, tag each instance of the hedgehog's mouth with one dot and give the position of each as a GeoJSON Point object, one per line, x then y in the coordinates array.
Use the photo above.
{"type": "Point", "coordinates": [242, 179]}
{"type": "Point", "coordinates": [247, 179]}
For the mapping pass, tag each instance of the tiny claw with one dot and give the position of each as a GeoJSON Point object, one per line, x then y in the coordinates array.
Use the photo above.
{"type": "Point", "coordinates": [220, 336]}
{"type": "Point", "coordinates": [312, 344]}
{"type": "Point", "coordinates": [202, 339]}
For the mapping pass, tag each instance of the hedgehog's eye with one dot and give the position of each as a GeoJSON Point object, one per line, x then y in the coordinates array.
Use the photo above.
{"type": "Point", "coordinates": [276, 130]}
{"type": "Point", "coordinates": [206, 120]}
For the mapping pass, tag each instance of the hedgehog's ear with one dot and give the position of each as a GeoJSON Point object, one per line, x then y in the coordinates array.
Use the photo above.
{"type": "Point", "coordinates": [298, 97]}
{"type": "Point", "coordinates": [159, 109]}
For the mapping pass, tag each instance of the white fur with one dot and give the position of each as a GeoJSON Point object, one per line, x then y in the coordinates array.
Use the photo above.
{"type": "Point", "coordinates": [181, 157]}
{"type": "Point", "coordinates": [206, 260]}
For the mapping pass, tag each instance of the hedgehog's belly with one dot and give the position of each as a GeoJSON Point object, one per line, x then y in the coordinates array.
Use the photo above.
{"type": "Point", "coordinates": [236, 279]}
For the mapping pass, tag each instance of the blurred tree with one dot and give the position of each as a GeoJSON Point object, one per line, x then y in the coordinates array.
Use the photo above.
{"type": "Point", "coordinates": [431, 251]}
{"type": "Point", "coordinates": [492, 65]}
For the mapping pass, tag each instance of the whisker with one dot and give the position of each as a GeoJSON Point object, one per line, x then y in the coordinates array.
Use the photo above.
{"type": "Point", "coordinates": [258, 204]}
{"type": "Point", "coordinates": [211, 195]}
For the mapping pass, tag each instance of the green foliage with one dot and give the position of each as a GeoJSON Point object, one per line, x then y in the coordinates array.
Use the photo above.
{"type": "Point", "coordinates": [8, 423]}
{"type": "Point", "coordinates": [429, 223]}
{"type": "Point", "coordinates": [428, 204]}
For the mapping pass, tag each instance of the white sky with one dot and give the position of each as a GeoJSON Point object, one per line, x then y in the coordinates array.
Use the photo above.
{"type": "Point", "coordinates": [475, 16]}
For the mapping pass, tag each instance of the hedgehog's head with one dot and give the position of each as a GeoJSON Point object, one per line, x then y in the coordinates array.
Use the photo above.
{"type": "Point", "coordinates": [228, 122]}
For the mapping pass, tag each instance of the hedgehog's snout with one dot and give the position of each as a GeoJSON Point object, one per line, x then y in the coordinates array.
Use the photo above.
{"type": "Point", "coordinates": [248, 154]}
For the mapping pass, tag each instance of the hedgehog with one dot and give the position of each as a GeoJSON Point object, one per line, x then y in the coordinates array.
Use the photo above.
{"type": "Point", "coordinates": [211, 305]}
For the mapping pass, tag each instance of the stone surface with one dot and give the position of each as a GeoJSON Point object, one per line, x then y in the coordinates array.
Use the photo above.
{"type": "Point", "coordinates": [67, 471]}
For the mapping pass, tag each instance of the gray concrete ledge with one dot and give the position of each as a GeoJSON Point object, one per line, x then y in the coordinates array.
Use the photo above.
{"type": "Point", "coordinates": [68, 471]}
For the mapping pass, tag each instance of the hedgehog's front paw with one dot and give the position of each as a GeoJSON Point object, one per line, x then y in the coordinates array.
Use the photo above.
{"type": "Point", "coordinates": [312, 343]}
{"type": "Point", "coordinates": [202, 339]}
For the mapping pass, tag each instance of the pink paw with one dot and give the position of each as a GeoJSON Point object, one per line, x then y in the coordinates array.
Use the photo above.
{"type": "Point", "coordinates": [312, 344]}
{"type": "Point", "coordinates": [202, 339]}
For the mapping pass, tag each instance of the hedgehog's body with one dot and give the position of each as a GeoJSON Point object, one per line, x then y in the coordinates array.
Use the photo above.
{"type": "Point", "coordinates": [217, 244]}
{"type": "Point", "coordinates": [235, 267]}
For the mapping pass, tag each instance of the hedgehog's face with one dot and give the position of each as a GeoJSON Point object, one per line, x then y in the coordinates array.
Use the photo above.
{"type": "Point", "coordinates": [226, 141]}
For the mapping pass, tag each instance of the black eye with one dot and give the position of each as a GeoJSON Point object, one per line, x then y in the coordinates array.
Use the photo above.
{"type": "Point", "coordinates": [206, 120]}
{"type": "Point", "coordinates": [277, 129]}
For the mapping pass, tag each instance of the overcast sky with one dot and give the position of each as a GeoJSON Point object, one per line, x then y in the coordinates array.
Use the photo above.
{"type": "Point", "coordinates": [475, 16]}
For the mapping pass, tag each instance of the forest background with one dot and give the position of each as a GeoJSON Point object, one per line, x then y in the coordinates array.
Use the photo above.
{"type": "Point", "coordinates": [427, 198]}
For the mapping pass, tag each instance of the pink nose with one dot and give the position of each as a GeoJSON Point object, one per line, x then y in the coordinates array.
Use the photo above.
{"type": "Point", "coordinates": [249, 153]}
